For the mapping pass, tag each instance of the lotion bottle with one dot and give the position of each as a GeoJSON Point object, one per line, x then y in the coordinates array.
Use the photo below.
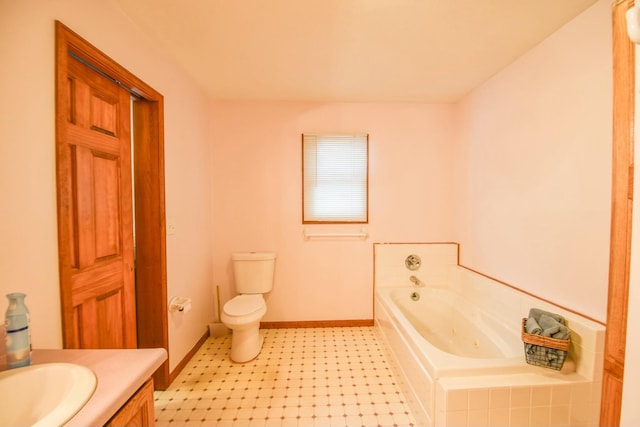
{"type": "Point", "coordinates": [18, 338]}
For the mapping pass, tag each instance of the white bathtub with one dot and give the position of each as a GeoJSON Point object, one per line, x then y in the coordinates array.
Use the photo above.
{"type": "Point", "coordinates": [451, 336]}
{"type": "Point", "coordinates": [457, 350]}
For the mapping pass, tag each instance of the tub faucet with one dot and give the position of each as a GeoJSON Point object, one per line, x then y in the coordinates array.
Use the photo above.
{"type": "Point", "coordinates": [416, 281]}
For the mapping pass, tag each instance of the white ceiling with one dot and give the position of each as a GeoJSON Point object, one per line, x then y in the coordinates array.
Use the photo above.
{"type": "Point", "coordinates": [347, 50]}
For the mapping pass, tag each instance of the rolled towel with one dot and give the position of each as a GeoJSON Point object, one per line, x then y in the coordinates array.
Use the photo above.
{"type": "Point", "coordinates": [531, 326]}
{"type": "Point", "coordinates": [536, 313]}
{"type": "Point", "coordinates": [563, 333]}
{"type": "Point", "coordinates": [549, 325]}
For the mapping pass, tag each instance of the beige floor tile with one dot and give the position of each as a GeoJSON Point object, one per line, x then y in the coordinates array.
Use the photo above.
{"type": "Point", "coordinates": [303, 377]}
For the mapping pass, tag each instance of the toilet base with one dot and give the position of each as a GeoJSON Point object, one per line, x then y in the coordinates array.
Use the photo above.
{"type": "Point", "coordinates": [245, 344]}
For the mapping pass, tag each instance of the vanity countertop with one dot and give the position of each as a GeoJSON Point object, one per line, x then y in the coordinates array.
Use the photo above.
{"type": "Point", "coordinates": [120, 374]}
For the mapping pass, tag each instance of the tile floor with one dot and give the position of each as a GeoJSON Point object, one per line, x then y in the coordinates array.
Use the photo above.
{"type": "Point", "coordinates": [303, 377]}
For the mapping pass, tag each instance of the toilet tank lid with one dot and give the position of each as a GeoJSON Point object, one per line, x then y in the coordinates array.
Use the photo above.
{"type": "Point", "coordinates": [253, 256]}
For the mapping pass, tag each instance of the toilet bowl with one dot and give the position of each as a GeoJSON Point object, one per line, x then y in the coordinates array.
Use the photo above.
{"type": "Point", "coordinates": [253, 274]}
{"type": "Point", "coordinates": [242, 314]}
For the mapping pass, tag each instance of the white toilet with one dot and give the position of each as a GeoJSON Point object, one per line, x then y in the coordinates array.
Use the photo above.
{"type": "Point", "coordinates": [253, 273]}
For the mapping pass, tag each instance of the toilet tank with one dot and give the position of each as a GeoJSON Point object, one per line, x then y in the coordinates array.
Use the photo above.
{"type": "Point", "coordinates": [253, 271]}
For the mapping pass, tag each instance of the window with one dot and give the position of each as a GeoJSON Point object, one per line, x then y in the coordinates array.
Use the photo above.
{"type": "Point", "coordinates": [335, 173]}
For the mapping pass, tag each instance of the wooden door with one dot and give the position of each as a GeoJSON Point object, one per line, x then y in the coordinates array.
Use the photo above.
{"type": "Point", "coordinates": [150, 318]}
{"type": "Point", "coordinates": [95, 212]}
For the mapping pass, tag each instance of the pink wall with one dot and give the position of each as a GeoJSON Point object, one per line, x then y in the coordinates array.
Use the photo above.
{"type": "Point", "coordinates": [29, 251]}
{"type": "Point", "coordinates": [519, 173]}
{"type": "Point", "coordinates": [256, 168]}
{"type": "Point", "coordinates": [534, 197]}
{"type": "Point", "coordinates": [533, 168]}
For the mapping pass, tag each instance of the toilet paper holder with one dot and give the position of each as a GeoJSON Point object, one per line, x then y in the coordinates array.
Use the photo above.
{"type": "Point", "coordinates": [181, 304]}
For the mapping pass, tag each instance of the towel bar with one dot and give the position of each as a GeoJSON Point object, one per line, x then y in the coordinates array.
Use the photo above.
{"type": "Point", "coordinates": [360, 234]}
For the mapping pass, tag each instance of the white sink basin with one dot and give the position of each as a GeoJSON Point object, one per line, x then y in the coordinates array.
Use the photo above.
{"type": "Point", "coordinates": [44, 395]}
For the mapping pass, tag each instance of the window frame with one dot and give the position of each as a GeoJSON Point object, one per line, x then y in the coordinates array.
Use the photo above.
{"type": "Point", "coordinates": [304, 195]}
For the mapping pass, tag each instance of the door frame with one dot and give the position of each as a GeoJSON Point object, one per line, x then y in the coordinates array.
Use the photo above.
{"type": "Point", "coordinates": [149, 197]}
{"type": "Point", "coordinates": [621, 215]}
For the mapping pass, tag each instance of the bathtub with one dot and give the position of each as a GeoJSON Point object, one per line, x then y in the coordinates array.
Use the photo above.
{"type": "Point", "coordinates": [454, 345]}
{"type": "Point", "coordinates": [451, 336]}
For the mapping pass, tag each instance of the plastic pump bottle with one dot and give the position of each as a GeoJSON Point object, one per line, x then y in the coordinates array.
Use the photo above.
{"type": "Point", "coordinates": [18, 339]}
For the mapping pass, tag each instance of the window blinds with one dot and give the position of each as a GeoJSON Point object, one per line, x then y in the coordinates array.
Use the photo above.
{"type": "Point", "coordinates": [335, 172]}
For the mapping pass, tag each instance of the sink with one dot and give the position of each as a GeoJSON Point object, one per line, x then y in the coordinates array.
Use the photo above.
{"type": "Point", "coordinates": [47, 394]}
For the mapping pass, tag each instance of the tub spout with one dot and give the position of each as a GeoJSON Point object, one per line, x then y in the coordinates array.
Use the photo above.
{"type": "Point", "coordinates": [416, 281]}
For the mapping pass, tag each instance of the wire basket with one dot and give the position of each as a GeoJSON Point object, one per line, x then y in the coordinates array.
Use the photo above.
{"type": "Point", "coordinates": [544, 351]}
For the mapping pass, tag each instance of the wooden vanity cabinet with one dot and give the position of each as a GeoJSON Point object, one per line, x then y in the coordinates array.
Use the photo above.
{"type": "Point", "coordinates": [138, 411]}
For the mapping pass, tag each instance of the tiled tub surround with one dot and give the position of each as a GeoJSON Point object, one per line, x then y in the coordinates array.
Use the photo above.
{"type": "Point", "coordinates": [448, 390]}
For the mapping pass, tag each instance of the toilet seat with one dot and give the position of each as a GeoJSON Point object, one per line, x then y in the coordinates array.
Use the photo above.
{"type": "Point", "coordinates": [244, 305]}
